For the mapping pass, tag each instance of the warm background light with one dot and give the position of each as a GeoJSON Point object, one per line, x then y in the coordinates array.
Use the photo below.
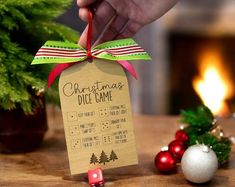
{"type": "Point", "coordinates": [213, 84]}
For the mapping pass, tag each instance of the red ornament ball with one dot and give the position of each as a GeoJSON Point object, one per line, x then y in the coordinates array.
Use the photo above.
{"type": "Point", "coordinates": [181, 135]}
{"type": "Point", "coordinates": [177, 148]}
{"type": "Point", "coordinates": [164, 161]}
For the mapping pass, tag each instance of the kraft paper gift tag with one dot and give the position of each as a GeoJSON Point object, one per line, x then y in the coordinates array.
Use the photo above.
{"type": "Point", "coordinates": [97, 116]}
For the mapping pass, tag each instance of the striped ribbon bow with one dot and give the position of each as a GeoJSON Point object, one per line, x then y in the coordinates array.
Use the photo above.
{"type": "Point", "coordinates": [67, 54]}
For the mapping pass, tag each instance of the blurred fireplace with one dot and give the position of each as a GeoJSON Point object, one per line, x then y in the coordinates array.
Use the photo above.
{"type": "Point", "coordinates": [193, 27]}
{"type": "Point", "coordinates": [174, 42]}
{"type": "Point", "coordinates": [185, 49]}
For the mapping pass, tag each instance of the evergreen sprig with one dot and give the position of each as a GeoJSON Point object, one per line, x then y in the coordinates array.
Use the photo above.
{"type": "Point", "coordinates": [25, 25]}
{"type": "Point", "coordinates": [200, 123]}
{"type": "Point", "coordinates": [201, 119]}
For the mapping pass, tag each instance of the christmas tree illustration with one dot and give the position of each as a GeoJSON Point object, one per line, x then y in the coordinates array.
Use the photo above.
{"type": "Point", "coordinates": [103, 158]}
{"type": "Point", "coordinates": [93, 159]}
{"type": "Point", "coordinates": [113, 156]}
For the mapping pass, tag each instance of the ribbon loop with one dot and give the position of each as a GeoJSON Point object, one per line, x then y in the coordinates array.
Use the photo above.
{"type": "Point", "coordinates": [89, 32]}
{"type": "Point", "coordinates": [89, 37]}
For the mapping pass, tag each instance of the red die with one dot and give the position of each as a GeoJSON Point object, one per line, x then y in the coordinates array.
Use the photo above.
{"type": "Point", "coordinates": [95, 177]}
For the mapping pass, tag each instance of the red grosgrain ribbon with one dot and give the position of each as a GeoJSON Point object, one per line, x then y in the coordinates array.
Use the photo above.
{"type": "Point", "coordinates": [126, 65]}
{"type": "Point", "coordinates": [60, 67]}
{"type": "Point", "coordinates": [89, 36]}
{"type": "Point", "coordinates": [68, 54]}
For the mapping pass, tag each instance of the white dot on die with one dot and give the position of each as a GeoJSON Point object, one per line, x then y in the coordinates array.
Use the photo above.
{"type": "Point", "coordinates": [95, 175]}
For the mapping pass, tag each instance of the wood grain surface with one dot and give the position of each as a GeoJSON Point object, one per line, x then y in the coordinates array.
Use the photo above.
{"type": "Point", "coordinates": [48, 165]}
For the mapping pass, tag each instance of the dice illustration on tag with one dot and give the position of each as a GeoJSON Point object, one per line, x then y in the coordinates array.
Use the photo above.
{"type": "Point", "coordinates": [105, 125]}
{"type": "Point", "coordinates": [72, 116]}
{"type": "Point", "coordinates": [74, 130]}
{"type": "Point", "coordinates": [104, 112]}
{"type": "Point", "coordinates": [107, 139]}
{"type": "Point", "coordinates": [75, 144]}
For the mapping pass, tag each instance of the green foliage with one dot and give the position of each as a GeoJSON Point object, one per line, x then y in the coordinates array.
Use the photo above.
{"type": "Point", "coordinates": [208, 139]}
{"type": "Point", "coordinates": [222, 149]}
{"type": "Point", "coordinates": [200, 119]}
{"type": "Point", "coordinates": [193, 135]}
{"type": "Point", "coordinates": [25, 25]}
{"type": "Point", "coordinates": [200, 123]}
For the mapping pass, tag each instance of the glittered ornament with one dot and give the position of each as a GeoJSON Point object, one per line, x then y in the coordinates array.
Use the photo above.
{"type": "Point", "coordinates": [177, 148]}
{"type": "Point", "coordinates": [164, 161]}
{"type": "Point", "coordinates": [181, 135]}
{"type": "Point", "coordinates": [199, 163]}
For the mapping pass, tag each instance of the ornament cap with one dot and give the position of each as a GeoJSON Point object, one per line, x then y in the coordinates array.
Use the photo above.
{"type": "Point", "coordinates": [205, 148]}
{"type": "Point", "coordinates": [165, 148]}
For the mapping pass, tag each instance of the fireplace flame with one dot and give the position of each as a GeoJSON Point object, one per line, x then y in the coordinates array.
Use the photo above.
{"type": "Point", "coordinates": [213, 84]}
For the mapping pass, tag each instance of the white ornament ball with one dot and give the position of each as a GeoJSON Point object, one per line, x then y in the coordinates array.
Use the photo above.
{"type": "Point", "coordinates": [199, 163]}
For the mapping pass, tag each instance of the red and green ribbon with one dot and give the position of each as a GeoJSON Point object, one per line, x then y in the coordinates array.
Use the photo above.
{"type": "Point", "coordinates": [67, 54]}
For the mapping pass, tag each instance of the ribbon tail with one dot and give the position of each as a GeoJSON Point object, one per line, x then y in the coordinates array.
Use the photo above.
{"type": "Point", "coordinates": [128, 66]}
{"type": "Point", "coordinates": [56, 71]}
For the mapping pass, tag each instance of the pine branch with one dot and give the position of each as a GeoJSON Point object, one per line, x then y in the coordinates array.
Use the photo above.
{"type": "Point", "coordinates": [35, 9]}
{"type": "Point", "coordinates": [199, 123]}
{"type": "Point", "coordinates": [200, 119]}
{"type": "Point", "coordinates": [25, 25]}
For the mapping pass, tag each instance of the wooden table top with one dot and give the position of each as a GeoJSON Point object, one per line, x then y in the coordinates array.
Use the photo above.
{"type": "Point", "coordinates": [48, 165]}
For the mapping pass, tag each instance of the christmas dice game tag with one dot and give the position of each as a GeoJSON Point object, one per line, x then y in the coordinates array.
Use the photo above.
{"type": "Point", "coordinates": [95, 100]}
{"type": "Point", "coordinates": [97, 116]}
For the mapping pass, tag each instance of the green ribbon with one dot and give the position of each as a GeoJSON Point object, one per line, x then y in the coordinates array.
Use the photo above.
{"type": "Point", "coordinates": [66, 52]}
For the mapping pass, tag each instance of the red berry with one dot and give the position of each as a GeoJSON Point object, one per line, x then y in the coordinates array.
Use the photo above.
{"type": "Point", "coordinates": [181, 135]}
{"type": "Point", "coordinates": [177, 148]}
{"type": "Point", "coordinates": [164, 161]}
